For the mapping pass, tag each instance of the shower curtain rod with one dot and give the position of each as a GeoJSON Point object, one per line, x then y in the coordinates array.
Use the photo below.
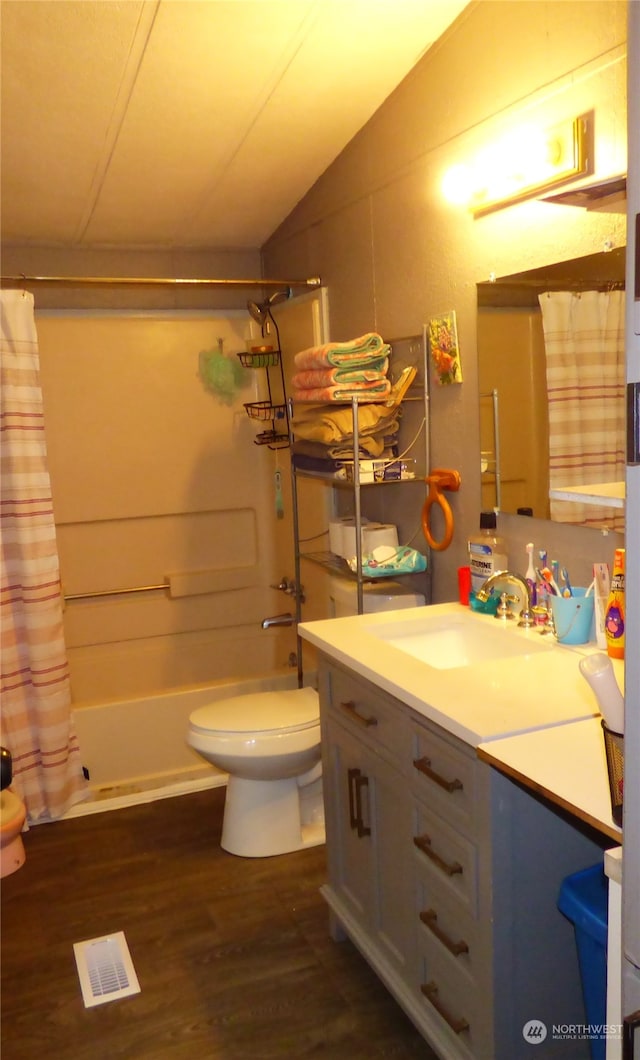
{"type": "Point", "coordinates": [133, 281]}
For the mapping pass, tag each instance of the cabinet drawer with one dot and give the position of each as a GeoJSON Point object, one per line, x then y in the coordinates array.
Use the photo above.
{"type": "Point", "coordinates": [442, 921]}
{"type": "Point", "coordinates": [368, 713]}
{"type": "Point", "coordinates": [444, 775]}
{"type": "Point", "coordinates": [446, 856]}
{"type": "Point", "coordinates": [457, 1004]}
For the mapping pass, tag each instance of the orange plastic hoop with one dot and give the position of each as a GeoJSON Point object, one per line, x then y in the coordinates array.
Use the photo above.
{"type": "Point", "coordinates": [438, 480]}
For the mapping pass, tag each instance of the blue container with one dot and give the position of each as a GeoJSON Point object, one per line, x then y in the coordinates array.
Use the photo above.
{"type": "Point", "coordinates": [583, 900]}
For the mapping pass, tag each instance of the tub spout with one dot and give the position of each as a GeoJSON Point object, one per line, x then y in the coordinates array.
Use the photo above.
{"type": "Point", "coordinates": [285, 619]}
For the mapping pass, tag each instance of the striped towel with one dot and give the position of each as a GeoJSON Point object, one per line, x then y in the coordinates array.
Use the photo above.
{"type": "Point", "coordinates": [375, 391]}
{"type": "Point", "coordinates": [367, 351]}
{"type": "Point", "coordinates": [311, 378]}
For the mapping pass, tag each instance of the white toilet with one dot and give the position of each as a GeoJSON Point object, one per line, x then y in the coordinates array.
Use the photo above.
{"type": "Point", "coordinates": [269, 744]}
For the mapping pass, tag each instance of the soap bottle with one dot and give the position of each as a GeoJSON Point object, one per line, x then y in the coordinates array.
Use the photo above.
{"type": "Point", "coordinates": [614, 614]}
{"type": "Point", "coordinates": [487, 552]}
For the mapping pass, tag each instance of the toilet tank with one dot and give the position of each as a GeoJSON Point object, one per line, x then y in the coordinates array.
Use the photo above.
{"type": "Point", "coordinates": [390, 596]}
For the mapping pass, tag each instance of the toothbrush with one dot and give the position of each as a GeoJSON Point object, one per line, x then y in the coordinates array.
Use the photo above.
{"type": "Point", "coordinates": [567, 591]}
{"type": "Point", "coordinates": [546, 578]}
{"type": "Point", "coordinates": [530, 576]}
{"type": "Point", "coordinates": [555, 568]}
{"type": "Point", "coordinates": [553, 582]}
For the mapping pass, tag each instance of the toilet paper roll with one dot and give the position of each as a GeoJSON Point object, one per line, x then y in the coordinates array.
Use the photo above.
{"type": "Point", "coordinates": [379, 534]}
{"type": "Point", "coordinates": [349, 537]}
{"type": "Point", "coordinates": [372, 535]}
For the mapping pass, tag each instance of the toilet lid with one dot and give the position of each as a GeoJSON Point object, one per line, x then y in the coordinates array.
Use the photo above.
{"type": "Point", "coordinates": [287, 711]}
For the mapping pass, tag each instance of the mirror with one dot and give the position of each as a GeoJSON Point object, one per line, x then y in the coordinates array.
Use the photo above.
{"type": "Point", "coordinates": [514, 416]}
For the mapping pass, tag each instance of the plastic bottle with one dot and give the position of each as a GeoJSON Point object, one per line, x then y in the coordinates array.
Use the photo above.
{"type": "Point", "coordinates": [614, 614]}
{"type": "Point", "coordinates": [597, 669]}
{"type": "Point", "coordinates": [487, 552]}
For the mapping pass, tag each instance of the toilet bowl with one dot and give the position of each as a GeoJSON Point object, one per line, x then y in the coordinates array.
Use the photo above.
{"type": "Point", "coordinates": [269, 744]}
{"type": "Point", "coordinates": [12, 818]}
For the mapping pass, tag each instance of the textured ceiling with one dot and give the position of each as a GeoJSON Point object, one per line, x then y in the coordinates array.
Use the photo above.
{"type": "Point", "coordinates": [188, 123]}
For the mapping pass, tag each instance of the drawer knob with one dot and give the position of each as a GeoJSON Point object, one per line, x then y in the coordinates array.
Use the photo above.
{"type": "Point", "coordinates": [458, 1024]}
{"type": "Point", "coordinates": [430, 918]}
{"type": "Point", "coordinates": [423, 765]}
{"type": "Point", "coordinates": [423, 843]}
{"type": "Point", "coordinates": [350, 708]}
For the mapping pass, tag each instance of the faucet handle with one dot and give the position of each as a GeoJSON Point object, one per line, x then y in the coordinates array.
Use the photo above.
{"type": "Point", "coordinates": [503, 610]}
{"type": "Point", "coordinates": [283, 585]}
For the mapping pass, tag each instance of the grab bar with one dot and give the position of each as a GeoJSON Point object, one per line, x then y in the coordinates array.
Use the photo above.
{"type": "Point", "coordinates": [188, 583]}
{"type": "Point", "coordinates": [116, 592]}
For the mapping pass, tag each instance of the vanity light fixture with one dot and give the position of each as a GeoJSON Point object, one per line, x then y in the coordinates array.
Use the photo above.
{"type": "Point", "coordinates": [524, 164]}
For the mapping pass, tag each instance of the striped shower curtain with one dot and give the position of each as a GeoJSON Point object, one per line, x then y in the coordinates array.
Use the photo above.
{"type": "Point", "coordinates": [584, 348]}
{"type": "Point", "coordinates": [35, 720]}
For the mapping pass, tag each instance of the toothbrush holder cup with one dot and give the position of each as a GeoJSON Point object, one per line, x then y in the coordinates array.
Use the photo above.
{"type": "Point", "coordinates": [573, 617]}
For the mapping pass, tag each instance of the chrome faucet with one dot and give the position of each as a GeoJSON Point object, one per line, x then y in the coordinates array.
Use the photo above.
{"type": "Point", "coordinates": [285, 619]}
{"type": "Point", "coordinates": [526, 618]}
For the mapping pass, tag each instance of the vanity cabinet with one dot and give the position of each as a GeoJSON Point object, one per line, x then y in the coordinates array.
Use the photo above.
{"type": "Point", "coordinates": [361, 768]}
{"type": "Point", "coordinates": [445, 875]}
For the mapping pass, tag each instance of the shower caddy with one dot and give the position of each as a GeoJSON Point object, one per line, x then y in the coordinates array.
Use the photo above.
{"type": "Point", "coordinates": [268, 411]}
{"type": "Point", "coordinates": [414, 444]}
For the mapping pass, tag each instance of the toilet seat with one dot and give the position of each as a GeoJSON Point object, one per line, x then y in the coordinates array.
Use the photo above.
{"type": "Point", "coordinates": [261, 713]}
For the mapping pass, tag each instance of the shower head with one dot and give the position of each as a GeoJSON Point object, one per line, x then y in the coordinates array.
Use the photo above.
{"type": "Point", "coordinates": [260, 311]}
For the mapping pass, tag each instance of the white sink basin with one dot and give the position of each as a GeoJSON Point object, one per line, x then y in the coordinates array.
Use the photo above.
{"type": "Point", "coordinates": [461, 640]}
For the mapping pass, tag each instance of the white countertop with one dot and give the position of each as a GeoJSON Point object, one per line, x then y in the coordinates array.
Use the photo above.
{"type": "Point", "coordinates": [480, 702]}
{"type": "Point", "coordinates": [567, 764]}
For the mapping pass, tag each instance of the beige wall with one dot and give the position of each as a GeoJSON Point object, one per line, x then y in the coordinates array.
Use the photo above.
{"type": "Point", "coordinates": [155, 478]}
{"type": "Point", "coordinates": [392, 252]}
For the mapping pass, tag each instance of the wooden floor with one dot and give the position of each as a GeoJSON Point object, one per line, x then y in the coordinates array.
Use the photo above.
{"type": "Point", "coordinates": [233, 955]}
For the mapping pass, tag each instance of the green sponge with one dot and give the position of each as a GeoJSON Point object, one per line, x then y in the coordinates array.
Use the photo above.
{"type": "Point", "coordinates": [222, 375]}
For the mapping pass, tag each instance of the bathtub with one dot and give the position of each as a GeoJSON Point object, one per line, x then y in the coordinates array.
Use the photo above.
{"type": "Point", "coordinates": [135, 750]}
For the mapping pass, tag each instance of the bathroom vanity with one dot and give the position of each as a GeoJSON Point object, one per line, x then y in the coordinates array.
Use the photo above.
{"type": "Point", "coordinates": [444, 865]}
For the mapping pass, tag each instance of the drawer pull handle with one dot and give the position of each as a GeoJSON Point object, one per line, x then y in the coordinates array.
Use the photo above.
{"type": "Point", "coordinates": [351, 776]}
{"type": "Point", "coordinates": [458, 1024]}
{"type": "Point", "coordinates": [423, 765]}
{"type": "Point", "coordinates": [423, 843]}
{"type": "Point", "coordinates": [430, 918]}
{"type": "Point", "coordinates": [350, 708]}
{"type": "Point", "coordinates": [361, 782]}
{"type": "Point", "coordinates": [356, 782]}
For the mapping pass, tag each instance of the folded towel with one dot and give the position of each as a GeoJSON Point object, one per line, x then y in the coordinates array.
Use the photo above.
{"type": "Point", "coordinates": [332, 425]}
{"type": "Point", "coordinates": [358, 353]}
{"type": "Point", "coordinates": [311, 378]}
{"type": "Point", "coordinates": [373, 445]}
{"type": "Point", "coordinates": [377, 391]}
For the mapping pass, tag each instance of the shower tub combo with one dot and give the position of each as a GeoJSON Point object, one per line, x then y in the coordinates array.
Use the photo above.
{"type": "Point", "coordinates": [135, 750]}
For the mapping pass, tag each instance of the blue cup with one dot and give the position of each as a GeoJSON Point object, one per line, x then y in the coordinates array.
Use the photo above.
{"type": "Point", "coordinates": [573, 617]}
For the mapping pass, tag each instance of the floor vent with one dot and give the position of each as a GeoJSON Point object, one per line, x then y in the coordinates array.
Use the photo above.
{"type": "Point", "coordinates": [105, 969]}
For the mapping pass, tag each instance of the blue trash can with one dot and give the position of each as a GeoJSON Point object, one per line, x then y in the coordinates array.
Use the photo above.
{"type": "Point", "coordinates": [583, 899]}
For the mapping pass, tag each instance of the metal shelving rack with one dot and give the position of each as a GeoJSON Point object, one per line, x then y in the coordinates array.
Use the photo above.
{"type": "Point", "coordinates": [411, 350]}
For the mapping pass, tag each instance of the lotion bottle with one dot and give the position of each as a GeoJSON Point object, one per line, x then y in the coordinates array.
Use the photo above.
{"type": "Point", "coordinates": [487, 552]}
